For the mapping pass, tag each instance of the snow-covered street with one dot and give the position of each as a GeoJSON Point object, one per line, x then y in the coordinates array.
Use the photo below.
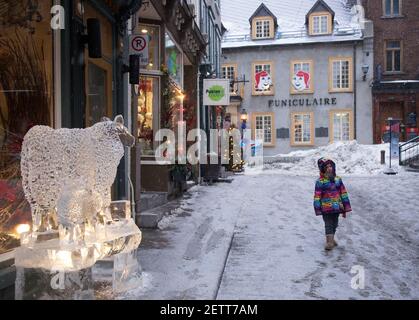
{"type": "Point", "coordinates": [277, 246]}
{"type": "Point", "coordinates": [264, 242]}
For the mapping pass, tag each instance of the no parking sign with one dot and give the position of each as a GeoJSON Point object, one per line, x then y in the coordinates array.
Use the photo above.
{"type": "Point", "coordinates": [138, 44]}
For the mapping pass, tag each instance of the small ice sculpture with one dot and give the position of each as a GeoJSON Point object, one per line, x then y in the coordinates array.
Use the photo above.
{"type": "Point", "coordinates": [67, 176]}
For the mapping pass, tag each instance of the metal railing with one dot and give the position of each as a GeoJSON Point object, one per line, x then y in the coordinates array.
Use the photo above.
{"type": "Point", "coordinates": [300, 33]}
{"type": "Point", "coordinates": [409, 151]}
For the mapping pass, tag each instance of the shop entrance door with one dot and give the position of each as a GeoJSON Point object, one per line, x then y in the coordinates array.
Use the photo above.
{"type": "Point", "coordinates": [393, 110]}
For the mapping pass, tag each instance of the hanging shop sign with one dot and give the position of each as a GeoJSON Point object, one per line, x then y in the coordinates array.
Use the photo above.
{"type": "Point", "coordinates": [139, 45]}
{"type": "Point", "coordinates": [216, 92]}
{"type": "Point", "coordinates": [311, 102]}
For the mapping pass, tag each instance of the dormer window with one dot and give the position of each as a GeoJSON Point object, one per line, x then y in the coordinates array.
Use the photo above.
{"type": "Point", "coordinates": [263, 23]}
{"type": "Point", "coordinates": [319, 19]}
{"type": "Point", "coordinates": [263, 28]}
{"type": "Point", "coordinates": [320, 24]}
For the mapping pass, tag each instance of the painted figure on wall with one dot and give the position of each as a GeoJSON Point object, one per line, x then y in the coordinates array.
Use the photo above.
{"type": "Point", "coordinates": [263, 81]}
{"type": "Point", "coordinates": [301, 81]}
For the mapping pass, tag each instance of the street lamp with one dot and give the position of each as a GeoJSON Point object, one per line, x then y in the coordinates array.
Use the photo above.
{"type": "Point", "coordinates": [243, 118]}
{"type": "Point", "coordinates": [365, 69]}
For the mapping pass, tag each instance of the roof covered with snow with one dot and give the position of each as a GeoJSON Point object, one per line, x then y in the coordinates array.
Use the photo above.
{"type": "Point", "coordinates": [291, 18]}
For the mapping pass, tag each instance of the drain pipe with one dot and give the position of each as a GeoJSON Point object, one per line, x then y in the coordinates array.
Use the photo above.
{"type": "Point", "coordinates": [355, 85]}
{"type": "Point", "coordinates": [198, 119]}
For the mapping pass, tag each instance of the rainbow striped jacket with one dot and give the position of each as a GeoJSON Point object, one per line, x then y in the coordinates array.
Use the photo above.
{"type": "Point", "coordinates": [330, 196]}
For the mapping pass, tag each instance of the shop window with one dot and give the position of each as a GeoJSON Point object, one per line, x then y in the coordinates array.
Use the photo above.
{"type": "Point", "coordinates": [263, 128]}
{"type": "Point", "coordinates": [99, 72]}
{"type": "Point", "coordinates": [392, 7]}
{"type": "Point", "coordinates": [393, 56]}
{"type": "Point", "coordinates": [150, 60]}
{"type": "Point", "coordinates": [147, 116]}
{"type": "Point", "coordinates": [262, 28]}
{"type": "Point", "coordinates": [26, 64]}
{"type": "Point", "coordinates": [99, 82]}
{"type": "Point", "coordinates": [341, 125]}
{"type": "Point", "coordinates": [340, 75]}
{"type": "Point", "coordinates": [174, 60]}
{"type": "Point", "coordinates": [301, 77]}
{"type": "Point", "coordinates": [320, 23]}
{"type": "Point", "coordinates": [229, 71]}
{"type": "Point", "coordinates": [262, 78]}
{"type": "Point", "coordinates": [302, 128]}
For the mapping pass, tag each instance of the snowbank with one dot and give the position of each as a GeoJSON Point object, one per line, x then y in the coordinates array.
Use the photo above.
{"type": "Point", "coordinates": [351, 158]}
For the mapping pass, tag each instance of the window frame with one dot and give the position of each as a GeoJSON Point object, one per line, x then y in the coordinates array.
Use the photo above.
{"type": "Point", "coordinates": [306, 91]}
{"type": "Point", "coordinates": [350, 74]}
{"type": "Point", "coordinates": [392, 9]}
{"type": "Point", "coordinates": [329, 23]}
{"type": "Point", "coordinates": [263, 93]}
{"type": "Point", "coordinates": [271, 27]}
{"type": "Point", "coordinates": [156, 114]}
{"type": "Point", "coordinates": [273, 130]}
{"type": "Point", "coordinates": [159, 53]}
{"type": "Point", "coordinates": [332, 112]}
{"type": "Point", "coordinates": [299, 144]}
{"type": "Point", "coordinates": [235, 86]}
{"type": "Point", "coordinates": [393, 49]}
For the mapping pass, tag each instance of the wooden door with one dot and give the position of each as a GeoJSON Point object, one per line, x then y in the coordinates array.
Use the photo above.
{"type": "Point", "coordinates": [390, 110]}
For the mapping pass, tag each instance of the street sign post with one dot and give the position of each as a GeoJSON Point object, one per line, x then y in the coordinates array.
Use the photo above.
{"type": "Point", "coordinates": [138, 44]}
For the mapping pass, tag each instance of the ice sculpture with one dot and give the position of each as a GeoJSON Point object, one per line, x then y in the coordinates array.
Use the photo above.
{"type": "Point", "coordinates": [67, 176]}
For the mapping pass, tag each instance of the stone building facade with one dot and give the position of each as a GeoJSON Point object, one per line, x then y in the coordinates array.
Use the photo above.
{"type": "Point", "coordinates": [315, 66]}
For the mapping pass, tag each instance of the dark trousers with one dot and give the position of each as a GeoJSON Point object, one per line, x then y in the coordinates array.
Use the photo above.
{"type": "Point", "coordinates": [331, 221]}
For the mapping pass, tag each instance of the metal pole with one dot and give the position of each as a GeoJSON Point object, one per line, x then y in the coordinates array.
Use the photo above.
{"type": "Point", "coordinates": [389, 122]}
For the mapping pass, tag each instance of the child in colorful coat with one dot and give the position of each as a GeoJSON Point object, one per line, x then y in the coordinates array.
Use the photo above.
{"type": "Point", "coordinates": [330, 199]}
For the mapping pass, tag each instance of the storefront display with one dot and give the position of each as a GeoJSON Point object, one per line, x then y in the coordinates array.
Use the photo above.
{"type": "Point", "coordinates": [25, 100]}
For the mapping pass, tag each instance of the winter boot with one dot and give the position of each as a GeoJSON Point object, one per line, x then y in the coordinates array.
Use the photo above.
{"type": "Point", "coordinates": [329, 242]}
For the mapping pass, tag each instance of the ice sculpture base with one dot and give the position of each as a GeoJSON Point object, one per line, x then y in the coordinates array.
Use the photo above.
{"type": "Point", "coordinates": [43, 264]}
{"type": "Point", "coordinates": [43, 284]}
{"type": "Point", "coordinates": [121, 272]}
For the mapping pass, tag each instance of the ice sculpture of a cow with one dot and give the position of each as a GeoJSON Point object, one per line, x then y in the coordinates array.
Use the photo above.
{"type": "Point", "coordinates": [67, 174]}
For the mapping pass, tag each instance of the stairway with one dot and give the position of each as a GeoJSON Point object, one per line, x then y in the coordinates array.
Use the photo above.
{"type": "Point", "coordinates": [150, 208]}
{"type": "Point", "coordinates": [409, 154]}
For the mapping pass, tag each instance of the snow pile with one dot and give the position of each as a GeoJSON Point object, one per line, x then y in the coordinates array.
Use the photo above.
{"type": "Point", "coordinates": [350, 158]}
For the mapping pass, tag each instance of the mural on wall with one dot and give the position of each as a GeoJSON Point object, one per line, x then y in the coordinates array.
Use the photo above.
{"type": "Point", "coordinates": [263, 81]}
{"type": "Point", "coordinates": [301, 80]}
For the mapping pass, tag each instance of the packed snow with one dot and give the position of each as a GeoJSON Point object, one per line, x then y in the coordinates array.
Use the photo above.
{"type": "Point", "coordinates": [350, 158]}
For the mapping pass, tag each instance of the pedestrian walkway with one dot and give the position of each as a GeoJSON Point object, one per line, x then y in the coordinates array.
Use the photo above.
{"type": "Point", "coordinates": [258, 238]}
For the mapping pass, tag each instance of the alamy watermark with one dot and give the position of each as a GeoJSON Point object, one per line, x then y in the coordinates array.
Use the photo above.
{"type": "Point", "coordinates": [58, 17]}
{"type": "Point", "coordinates": [358, 280]}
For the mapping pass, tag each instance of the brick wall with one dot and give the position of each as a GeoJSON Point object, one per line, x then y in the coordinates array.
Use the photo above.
{"type": "Point", "coordinates": [405, 28]}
